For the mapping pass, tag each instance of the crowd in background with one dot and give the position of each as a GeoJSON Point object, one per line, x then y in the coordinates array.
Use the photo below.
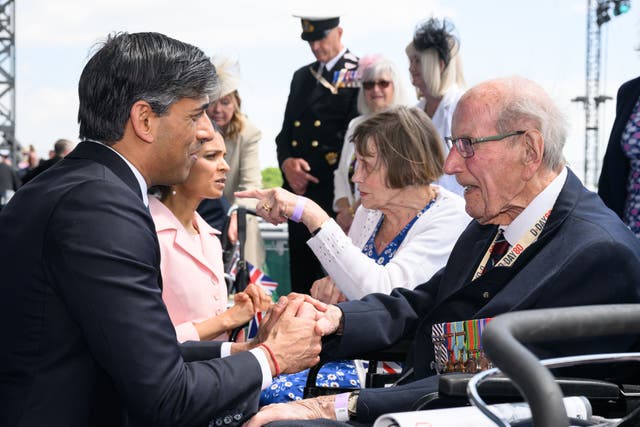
{"type": "Point", "coordinates": [13, 177]}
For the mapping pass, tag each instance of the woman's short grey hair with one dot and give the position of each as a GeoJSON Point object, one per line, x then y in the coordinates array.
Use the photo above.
{"type": "Point", "coordinates": [407, 143]}
{"type": "Point", "coordinates": [382, 67]}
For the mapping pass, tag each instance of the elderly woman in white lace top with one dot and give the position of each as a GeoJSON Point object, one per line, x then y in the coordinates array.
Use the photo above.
{"type": "Point", "coordinates": [381, 88]}
{"type": "Point", "coordinates": [405, 228]}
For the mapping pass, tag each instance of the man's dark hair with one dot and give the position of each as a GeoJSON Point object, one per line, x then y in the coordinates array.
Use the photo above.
{"type": "Point", "coordinates": [141, 66]}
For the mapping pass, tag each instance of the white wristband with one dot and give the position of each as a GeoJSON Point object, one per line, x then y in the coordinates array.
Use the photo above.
{"type": "Point", "coordinates": [341, 406]}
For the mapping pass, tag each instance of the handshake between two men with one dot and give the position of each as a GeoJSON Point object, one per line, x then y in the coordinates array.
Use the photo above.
{"type": "Point", "coordinates": [292, 331]}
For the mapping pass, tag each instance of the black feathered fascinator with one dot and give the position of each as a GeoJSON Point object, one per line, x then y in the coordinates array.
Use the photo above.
{"type": "Point", "coordinates": [436, 34]}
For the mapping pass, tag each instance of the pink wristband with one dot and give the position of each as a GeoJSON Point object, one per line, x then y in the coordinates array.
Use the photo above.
{"type": "Point", "coordinates": [297, 211]}
{"type": "Point", "coordinates": [341, 405]}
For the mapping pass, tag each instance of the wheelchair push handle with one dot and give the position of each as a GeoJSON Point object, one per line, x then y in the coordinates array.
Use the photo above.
{"type": "Point", "coordinates": [503, 337]}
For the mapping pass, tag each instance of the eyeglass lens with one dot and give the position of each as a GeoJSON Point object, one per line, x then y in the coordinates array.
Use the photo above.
{"type": "Point", "coordinates": [465, 146]}
{"type": "Point", "coordinates": [370, 84]}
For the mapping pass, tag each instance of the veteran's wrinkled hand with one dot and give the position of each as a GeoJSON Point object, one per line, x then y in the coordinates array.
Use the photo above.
{"type": "Point", "coordinates": [307, 409]}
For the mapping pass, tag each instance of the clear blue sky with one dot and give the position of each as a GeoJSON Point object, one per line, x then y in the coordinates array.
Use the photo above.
{"type": "Point", "coordinates": [544, 40]}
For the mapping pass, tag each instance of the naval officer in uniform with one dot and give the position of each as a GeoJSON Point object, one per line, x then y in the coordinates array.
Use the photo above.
{"type": "Point", "coordinates": [321, 103]}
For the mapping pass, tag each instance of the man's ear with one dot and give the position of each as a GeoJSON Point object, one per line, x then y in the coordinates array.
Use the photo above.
{"type": "Point", "coordinates": [142, 117]}
{"type": "Point", "coordinates": [533, 151]}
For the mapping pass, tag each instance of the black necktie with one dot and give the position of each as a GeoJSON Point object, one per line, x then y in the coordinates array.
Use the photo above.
{"type": "Point", "coordinates": [500, 248]}
{"type": "Point", "coordinates": [328, 75]}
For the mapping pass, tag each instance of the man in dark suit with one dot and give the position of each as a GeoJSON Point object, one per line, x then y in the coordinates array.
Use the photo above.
{"type": "Point", "coordinates": [87, 340]}
{"type": "Point", "coordinates": [61, 148]}
{"type": "Point", "coordinates": [322, 102]}
{"type": "Point", "coordinates": [565, 248]}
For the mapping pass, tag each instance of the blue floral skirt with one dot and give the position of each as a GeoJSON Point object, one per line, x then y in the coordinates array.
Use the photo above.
{"type": "Point", "coordinates": [286, 388]}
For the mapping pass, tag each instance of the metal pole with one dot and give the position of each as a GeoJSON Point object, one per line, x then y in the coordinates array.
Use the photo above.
{"type": "Point", "coordinates": [593, 81]}
{"type": "Point", "coordinates": [7, 77]}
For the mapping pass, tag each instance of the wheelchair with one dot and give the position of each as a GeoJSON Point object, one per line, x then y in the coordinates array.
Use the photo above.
{"type": "Point", "coordinates": [607, 404]}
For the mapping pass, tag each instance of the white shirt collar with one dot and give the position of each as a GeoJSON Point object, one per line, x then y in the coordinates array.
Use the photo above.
{"type": "Point", "coordinates": [329, 65]}
{"type": "Point", "coordinates": [141, 182]}
{"type": "Point", "coordinates": [542, 203]}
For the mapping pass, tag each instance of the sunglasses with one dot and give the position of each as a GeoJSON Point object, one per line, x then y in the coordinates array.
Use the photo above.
{"type": "Point", "coordinates": [370, 84]}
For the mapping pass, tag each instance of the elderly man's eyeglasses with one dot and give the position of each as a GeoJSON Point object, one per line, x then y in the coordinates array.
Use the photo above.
{"type": "Point", "coordinates": [371, 84]}
{"type": "Point", "coordinates": [465, 145]}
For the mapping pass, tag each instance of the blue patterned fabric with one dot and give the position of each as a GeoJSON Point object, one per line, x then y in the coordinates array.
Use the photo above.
{"type": "Point", "coordinates": [630, 141]}
{"type": "Point", "coordinates": [369, 248]}
{"type": "Point", "coordinates": [286, 388]}
{"type": "Point", "coordinates": [340, 373]}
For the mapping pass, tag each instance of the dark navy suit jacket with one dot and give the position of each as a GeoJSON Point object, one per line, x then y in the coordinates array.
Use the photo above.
{"type": "Point", "coordinates": [585, 255]}
{"type": "Point", "coordinates": [86, 337]}
{"type": "Point", "coordinates": [614, 177]}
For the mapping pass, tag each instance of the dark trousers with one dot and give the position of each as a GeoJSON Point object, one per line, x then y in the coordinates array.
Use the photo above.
{"type": "Point", "coordinates": [303, 264]}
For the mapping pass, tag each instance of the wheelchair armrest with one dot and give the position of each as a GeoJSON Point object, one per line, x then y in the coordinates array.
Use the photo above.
{"type": "Point", "coordinates": [456, 385]}
{"type": "Point", "coordinates": [452, 391]}
{"type": "Point", "coordinates": [394, 353]}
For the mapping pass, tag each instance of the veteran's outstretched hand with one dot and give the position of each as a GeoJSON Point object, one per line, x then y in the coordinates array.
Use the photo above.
{"type": "Point", "coordinates": [328, 317]}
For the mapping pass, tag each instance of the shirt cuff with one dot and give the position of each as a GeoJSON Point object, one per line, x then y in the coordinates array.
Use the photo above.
{"type": "Point", "coordinates": [264, 367]}
{"type": "Point", "coordinates": [225, 350]}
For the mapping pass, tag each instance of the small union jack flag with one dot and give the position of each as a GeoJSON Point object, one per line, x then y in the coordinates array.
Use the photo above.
{"type": "Point", "coordinates": [254, 324]}
{"type": "Point", "coordinates": [258, 277]}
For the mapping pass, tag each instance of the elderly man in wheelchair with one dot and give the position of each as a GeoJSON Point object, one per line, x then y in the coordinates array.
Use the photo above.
{"type": "Point", "coordinates": [540, 239]}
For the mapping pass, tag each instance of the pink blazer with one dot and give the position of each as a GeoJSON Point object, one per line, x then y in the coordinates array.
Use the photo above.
{"type": "Point", "coordinates": [192, 271]}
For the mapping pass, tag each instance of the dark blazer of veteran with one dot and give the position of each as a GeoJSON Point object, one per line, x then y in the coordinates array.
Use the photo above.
{"type": "Point", "coordinates": [81, 299]}
{"type": "Point", "coordinates": [614, 177]}
{"type": "Point", "coordinates": [315, 121]}
{"type": "Point", "coordinates": [585, 255]}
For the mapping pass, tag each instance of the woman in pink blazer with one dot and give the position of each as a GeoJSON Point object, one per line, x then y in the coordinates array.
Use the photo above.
{"type": "Point", "coordinates": [194, 289]}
